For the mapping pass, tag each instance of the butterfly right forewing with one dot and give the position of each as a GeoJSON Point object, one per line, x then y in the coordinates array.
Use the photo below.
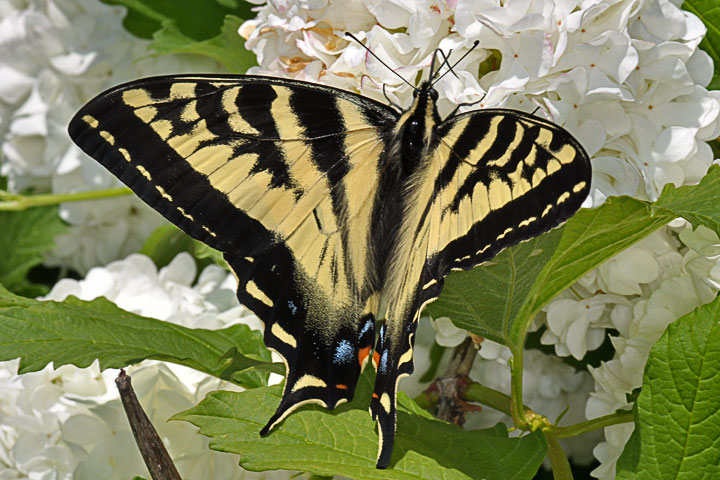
{"type": "Point", "coordinates": [492, 178]}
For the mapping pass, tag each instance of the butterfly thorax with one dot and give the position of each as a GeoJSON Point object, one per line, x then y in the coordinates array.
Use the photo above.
{"type": "Point", "coordinates": [416, 127]}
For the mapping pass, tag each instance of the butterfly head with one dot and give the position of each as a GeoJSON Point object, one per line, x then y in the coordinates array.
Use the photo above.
{"type": "Point", "coordinates": [416, 126]}
{"type": "Point", "coordinates": [426, 88]}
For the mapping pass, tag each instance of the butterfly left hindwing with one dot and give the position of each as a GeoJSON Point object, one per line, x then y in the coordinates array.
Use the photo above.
{"type": "Point", "coordinates": [323, 201]}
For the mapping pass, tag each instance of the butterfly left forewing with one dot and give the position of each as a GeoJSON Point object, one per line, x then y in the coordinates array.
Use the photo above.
{"type": "Point", "coordinates": [281, 176]}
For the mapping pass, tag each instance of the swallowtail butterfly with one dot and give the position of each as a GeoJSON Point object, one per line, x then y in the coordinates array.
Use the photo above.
{"type": "Point", "coordinates": [323, 201]}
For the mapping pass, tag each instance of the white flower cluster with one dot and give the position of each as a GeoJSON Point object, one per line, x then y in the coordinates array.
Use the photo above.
{"type": "Point", "coordinates": [626, 77]}
{"type": "Point", "coordinates": [55, 55]}
{"type": "Point", "coordinates": [69, 423]}
{"type": "Point", "coordinates": [677, 271]}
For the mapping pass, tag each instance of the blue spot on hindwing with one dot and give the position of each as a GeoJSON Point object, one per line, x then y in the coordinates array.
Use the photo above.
{"type": "Point", "coordinates": [383, 362]}
{"type": "Point", "coordinates": [368, 325]}
{"type": "Point", "coordinates": [344, 353]}
{"type": "Point", "coordinates": [292, 307]}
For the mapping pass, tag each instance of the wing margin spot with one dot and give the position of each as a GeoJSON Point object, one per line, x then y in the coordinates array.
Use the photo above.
{"type": "Point", "coordinates": [253, 290]}
{"type": "Point", "coordinates": [283, 336]}
{"type": "Point", "coordinates": [308, 381]}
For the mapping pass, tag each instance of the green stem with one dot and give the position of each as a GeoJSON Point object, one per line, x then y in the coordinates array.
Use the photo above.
{"type": "Point", "coordinates": [594, 424]}
{"type": "Point", "coordinates": [22, 202]}
{"type": "Point", "coordinates": [558, 459]}
{"type": "Point", "coordinates": [517, 408]}
{"type": "Point", "coordinates": [427, 400]}
{"type": "Point", "coordinates": [474, 392]}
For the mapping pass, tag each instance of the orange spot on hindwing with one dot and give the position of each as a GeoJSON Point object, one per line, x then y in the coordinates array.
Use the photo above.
{"type": "Point", "coordinates": [362, 355]}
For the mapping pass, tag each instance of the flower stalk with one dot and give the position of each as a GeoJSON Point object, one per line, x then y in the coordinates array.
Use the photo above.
{"type": "Point", "coordinates": [13, 202]}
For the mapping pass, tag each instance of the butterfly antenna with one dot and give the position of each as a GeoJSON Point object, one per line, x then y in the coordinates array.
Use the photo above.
{"type": "Point", "coordinates": [348, 34]}
{"type": "Point", "coordinates": [398, 107]}
{"type": "Point", "coordinates": [466, 104]}
{"type": "Point", "coordinates": [446, 61]}
{"type": "Point", "coordinates": [450, 68]}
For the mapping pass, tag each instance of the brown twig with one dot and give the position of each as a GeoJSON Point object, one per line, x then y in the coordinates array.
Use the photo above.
{"type": "Point", "coordinates": [159, 463]}
{"type": "Point", "coordinates": [451, 407]}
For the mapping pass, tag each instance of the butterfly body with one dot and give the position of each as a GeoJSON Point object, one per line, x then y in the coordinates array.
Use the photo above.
{"type": "Point", "coordinates": [323, 201]}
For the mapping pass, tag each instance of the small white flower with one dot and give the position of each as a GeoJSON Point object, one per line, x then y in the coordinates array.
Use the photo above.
{"type": "Point", "coordinates": [702, 260]}
{"type": "Point", "coordinates": [105, 437]}
{"type": "Point", "coordinates": [448, 335]}
{"type": "Point", "coordinates": [576, 326]}
{"type": "Point", "coordinates": [490, 350]}
{"type": "Point", "coordinates": [608, 452]}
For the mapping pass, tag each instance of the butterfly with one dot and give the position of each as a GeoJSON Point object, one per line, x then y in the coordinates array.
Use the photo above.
{"type": "Point", "coordinates": [323, 201]}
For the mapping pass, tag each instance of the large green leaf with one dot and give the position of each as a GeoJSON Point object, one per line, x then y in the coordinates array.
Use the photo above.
{"type": "Point", "coordinates": [78, 332]}
{"type": "Point", "coordinates": [227, 48]}
{"type": "Point", "coordinates": [677, 430]}
{"type": "Point", "coordinates": [499, 299]}
{"type": "Point", "coordinates": [200, 27]}
{"type": "Point", "coordinates": [344, 441]}
{"type": "Point", "coordinates": [197, 19]}
{"type": "Point", "coordinates": [709, 12]}
{"type": "Point", "coordinates": [24, 237]}
{"type": "Point", "coordinates": [486, 300]}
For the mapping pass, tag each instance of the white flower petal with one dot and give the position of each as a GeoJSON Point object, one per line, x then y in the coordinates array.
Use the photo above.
{"type": "Point", "coordinates": [15, 85]}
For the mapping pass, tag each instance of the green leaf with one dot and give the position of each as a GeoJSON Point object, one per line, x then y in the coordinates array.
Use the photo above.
{"type": "Point", "coordinates": [499, 299]}
{"type": "Point", "coordinates": [677, 428]}
{"type": "Point", "coordinates": [198, 27]}
{"type": "Point", "coordinates": [197, 19]}
{"type": "Point", "coordinates": [709, 12]}
{"type": "Point", "coordinates": [24, 237]}
{"type": "Point", "coordinates": [204, 252]}
{"type": "Point", "coordinates": [163, 245]}
{"type": "Point", "coordinates": [486, 300]}
{"type": "Point", "coordinates": [699, 204]}
{"type": "Point", "coordinates": [227, 48]}
{"type": "Point", "coordinates": [78, 332]}
{"type": "Point", "coordinates": [343, 441]}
